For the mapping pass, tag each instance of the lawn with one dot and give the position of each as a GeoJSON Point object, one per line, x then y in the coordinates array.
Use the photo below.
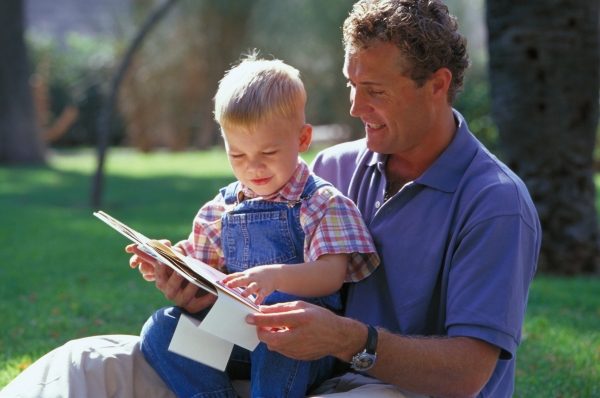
{"type": "Point", "coordinates": [65, 274]}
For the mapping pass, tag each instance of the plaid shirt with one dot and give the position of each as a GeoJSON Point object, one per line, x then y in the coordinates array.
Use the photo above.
{"type": "Point", "coordinates": [331, 223]}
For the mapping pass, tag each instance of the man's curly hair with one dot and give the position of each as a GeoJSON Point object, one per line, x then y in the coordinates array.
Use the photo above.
{"type": "Point", "coordinates": [424, 31]}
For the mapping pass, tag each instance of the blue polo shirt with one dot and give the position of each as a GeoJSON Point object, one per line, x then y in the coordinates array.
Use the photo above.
{"type": "Point", "coordinates": [459, 246]}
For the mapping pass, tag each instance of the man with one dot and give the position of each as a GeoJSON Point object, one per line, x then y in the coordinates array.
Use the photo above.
{"type": "Point", "coordinates": [456, 230]}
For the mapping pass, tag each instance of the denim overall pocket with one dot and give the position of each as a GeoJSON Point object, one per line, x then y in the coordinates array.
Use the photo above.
{"type": "Point", "coordinates": [258, 238]}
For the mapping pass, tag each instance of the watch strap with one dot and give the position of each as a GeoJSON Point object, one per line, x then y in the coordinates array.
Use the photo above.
{"type": "Point", "coordinates": [372, 336]}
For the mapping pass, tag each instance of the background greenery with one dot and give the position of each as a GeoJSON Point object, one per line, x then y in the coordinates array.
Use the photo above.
{"type": "Point", "coordinates": [65, 275]}
{"type": "Point", "coordinates": [165, 100]}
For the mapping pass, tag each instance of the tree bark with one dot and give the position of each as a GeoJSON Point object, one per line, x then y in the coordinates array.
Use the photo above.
{"type": "Point", "coordinates": [106, 113]}
{"type": "Point", "coordinates": [544, 81]}
{"type": "Point", "coordinates": [225, 24]}
{"type": "Point", "coordinates": [20, 142]}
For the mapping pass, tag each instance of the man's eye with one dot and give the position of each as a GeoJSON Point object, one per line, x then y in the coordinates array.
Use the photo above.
{"type": "Point", "coordinates": [375, 92]}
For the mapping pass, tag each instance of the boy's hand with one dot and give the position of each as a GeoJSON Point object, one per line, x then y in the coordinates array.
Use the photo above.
{"type": "Point", "coordinates": [260, 281]}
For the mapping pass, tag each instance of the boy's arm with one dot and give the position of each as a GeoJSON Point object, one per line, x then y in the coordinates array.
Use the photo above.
{"type": "Point", "coordinates": [312, 279]}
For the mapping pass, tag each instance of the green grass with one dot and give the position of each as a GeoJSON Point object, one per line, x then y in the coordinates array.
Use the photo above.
{"type": "Point", "coordinates": [64, 273]}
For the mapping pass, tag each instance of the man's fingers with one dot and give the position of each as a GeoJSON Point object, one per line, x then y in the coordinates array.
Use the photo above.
{"type": "Point", "coordinates": [173, 286]}
{"type": "Point", "coordinates": [140, 254]}
{"type": "Point", "coordinates": [282, 307]}
{"type": "Point", "coordinates": [199, 303]}
{"type": "Point", "coordinates": [288, 319]}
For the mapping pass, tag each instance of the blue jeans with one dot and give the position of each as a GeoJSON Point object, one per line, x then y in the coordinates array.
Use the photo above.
{"type": "Point", "coordinates": [187, 378]}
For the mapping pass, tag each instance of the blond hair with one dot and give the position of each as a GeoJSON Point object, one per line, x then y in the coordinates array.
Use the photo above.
{"type": "Point", "coordinates": [256, 90]}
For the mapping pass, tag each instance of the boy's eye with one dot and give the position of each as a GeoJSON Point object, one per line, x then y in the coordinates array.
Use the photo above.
{"type": "Point", "coordinates": [269, 153]}
{"type": "Point", "coordinates": [235, 155]}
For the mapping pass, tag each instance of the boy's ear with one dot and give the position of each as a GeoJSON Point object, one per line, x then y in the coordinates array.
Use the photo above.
{"type": "Point", "coordinates": [305, 137]}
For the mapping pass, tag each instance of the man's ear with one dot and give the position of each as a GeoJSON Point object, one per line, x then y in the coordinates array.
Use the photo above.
{"type": "Point", "coordinates": [305, 137]}
{"type": "Point", "coordinates": [440, 82]}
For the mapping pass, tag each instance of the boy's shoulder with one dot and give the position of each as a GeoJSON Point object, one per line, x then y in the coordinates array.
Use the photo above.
{"type": "Point", "coordinates": [326, 194]}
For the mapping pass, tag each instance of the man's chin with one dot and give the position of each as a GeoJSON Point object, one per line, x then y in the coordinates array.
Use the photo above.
{"type": "Point", "coordinates": [376, 146]}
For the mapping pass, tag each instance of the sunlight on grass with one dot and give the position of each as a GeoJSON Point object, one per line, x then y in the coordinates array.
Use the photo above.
{"type": "Point", "coordinates": [13, 366]}
{"type": "Point", "coordinates": [560, 352]}
{"type": "Point", "coordinates": [132, 163]}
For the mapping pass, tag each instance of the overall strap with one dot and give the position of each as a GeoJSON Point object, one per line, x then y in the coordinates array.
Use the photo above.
{"type": "Point", "coordinates": [313, 183]}
{"type": "Point", "coordinates": [230, 192]}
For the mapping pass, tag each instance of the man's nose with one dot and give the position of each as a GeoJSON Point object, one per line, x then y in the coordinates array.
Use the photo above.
{"type": "Point", "coordinates": [358, 104]}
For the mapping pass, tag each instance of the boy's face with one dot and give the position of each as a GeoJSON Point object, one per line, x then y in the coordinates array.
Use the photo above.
{"type": "Point", "coordinates": [265, 157]}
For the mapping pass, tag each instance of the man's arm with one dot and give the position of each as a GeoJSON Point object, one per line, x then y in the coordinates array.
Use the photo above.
{"type": "Point", "coordinates": [444, 366]}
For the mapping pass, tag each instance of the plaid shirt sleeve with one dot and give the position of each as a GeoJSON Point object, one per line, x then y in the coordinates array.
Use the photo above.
{"type": "Point", "coordinates": [333, 224]}
{"type": "Point", "coordinates": [204, 242]}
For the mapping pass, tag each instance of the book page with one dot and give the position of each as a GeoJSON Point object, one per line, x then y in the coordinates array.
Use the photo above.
{"type": "Point", "coordinates": [193, 270]}
{"type": "Point", "coordinates": [158, 251]}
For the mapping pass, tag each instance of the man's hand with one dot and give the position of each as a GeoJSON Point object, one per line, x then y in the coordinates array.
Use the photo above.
{"type": "Point", "coordinates": [175, 288]}
{"type": "Point", "coordinates": [303, 331]}
{"type": "Point", "coordinates": [260, 281]}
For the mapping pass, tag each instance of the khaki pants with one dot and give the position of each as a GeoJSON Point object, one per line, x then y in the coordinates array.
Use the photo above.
{"type": "Point", "coordinates": [113, 366]}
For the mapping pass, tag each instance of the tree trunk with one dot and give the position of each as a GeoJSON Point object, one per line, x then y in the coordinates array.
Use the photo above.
{"type": "Point", "coordinates": [544, 80]}
{"type": "Point", "coordinates": [106, 113]}
{"type": "Point", "coordinates": [20, 142]}
{"type": "Point", "coordinates": [225, 24]}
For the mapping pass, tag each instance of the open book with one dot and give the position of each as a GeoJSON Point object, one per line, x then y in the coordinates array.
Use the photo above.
{"type": "Point", "coordinates": [211, 340]}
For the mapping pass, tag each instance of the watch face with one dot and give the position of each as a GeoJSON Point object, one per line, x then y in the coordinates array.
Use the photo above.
{"type": "Point", "coordinates": [363, 361]}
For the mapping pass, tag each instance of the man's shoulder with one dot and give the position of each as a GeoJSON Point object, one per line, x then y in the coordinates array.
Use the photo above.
{"type": "Point", "coordinates": [497, 189]}
{"type": "Point", "coordinates": [348, 151]}
{"type": "Point", "coordinates": [338, 163]}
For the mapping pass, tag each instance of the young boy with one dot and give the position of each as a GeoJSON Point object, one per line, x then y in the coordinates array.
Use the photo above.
{"type": "Point", "coordinates": [281, 233]}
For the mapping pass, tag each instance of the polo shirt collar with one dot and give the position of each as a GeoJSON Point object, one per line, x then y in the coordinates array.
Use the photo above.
{"type": "Point", "coordinates": [447, 170]}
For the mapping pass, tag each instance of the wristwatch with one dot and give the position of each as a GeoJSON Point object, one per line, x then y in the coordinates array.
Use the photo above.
{"type": "Point", "coordinates": [365, 359]}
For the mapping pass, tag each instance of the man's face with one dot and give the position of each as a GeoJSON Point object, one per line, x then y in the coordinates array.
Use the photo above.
{"type": "Point", "coordinates": [264, 158]}
{"type": "Point", "coordinates": [396, 113]}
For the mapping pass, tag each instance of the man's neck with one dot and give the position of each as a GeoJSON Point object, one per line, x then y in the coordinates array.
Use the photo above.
{"type": "Point", "coordinates": [407, 166]}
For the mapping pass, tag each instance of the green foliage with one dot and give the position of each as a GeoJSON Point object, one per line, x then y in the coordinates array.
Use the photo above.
{"type": "Point", "coordinates": [66, 275]}
{"type": "Point", "coordinates": [474, 103]}
{"type": "Point", "coordinates": [74, 73]}
{"type": "Point", "coordinates": [166, 99]}
{"type": "Point", "coordinates": [76, 63]}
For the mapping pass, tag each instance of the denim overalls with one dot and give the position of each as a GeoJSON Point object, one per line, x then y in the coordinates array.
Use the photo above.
{"type": "Point", "coordinates": [255, 232]}
{"type": "Point", "coordinates": [259, 232]}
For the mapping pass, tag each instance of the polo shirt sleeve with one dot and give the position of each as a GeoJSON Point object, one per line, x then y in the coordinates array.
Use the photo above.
{"type": "Point", "coordinates": [204, 242]}
{"type": "Point", "coordinates": [489, 279]}
{"type": "Point", "coordinates": [332, 225]}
